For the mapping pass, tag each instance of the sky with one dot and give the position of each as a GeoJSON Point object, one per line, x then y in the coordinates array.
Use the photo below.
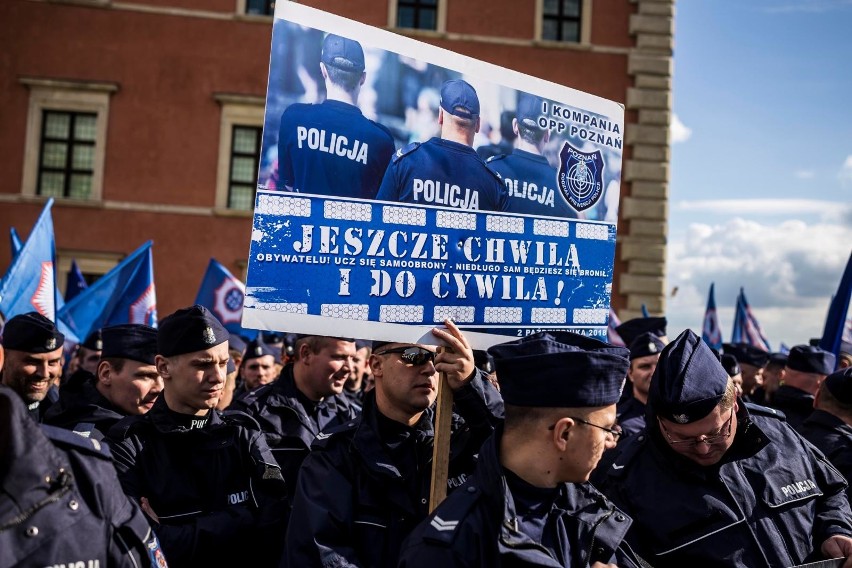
{"type": "Point", "coordinates": [760, 192]}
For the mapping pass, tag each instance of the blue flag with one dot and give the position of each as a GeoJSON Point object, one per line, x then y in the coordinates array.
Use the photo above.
{"type": "Point", "coordinates": [29, 284]}
{"type": "Point", "coordinates": [746, 328]}
{"type": "Point", "coordinates": [223, 294]}
{"type": "Point", "coordinates": [835, 321]}
{"type": "Point", "coordinates": [15, 241]}
{"type": "Point", "coordinates": [75, 283]}
{"type": "Point", "coordinates": [711, 333]}
{"type": "Point", "coordinates": [125, 294]}
{"type": "Point", "coordinates": [645, 313]}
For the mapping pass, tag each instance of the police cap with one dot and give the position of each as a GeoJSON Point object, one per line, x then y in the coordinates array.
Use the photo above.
{"type": "Point", "coordinates": [745, 353]}
{"type": "Point", "coordinates": [560, 369]}
{"type": "Point", "coordinates": [236, 343]}
{"type": "Point", "coordinates": [256, 349]}
{"type": "Point", "coordinates": [133, 341]}
{"type": "Point", "coordinates": [459, 99]}
{"type": "Point", "coordinates": [731, 365]}
{"type": "Point", "coordinates": [343, 53]}
{"type": "Point", "coordinates": [189, 330]}
{"type": "Point", "coordinates": [32, 333]}
{"type": "Point", "coordinates": [777, 359]}
{"type": "Point", "coordinates": [646, 344]}
{"type": "Point", "coordinates": [94, 341]}
{"type": "Point", "coordinates": [839, 384]}
{"type": "Point", "coordinates": [231, 366]}
{"type": "Point", "coordinates": [631, 329]}
{"type": "Point", "coordinates": [529, 110]}
{"type": "Point", "coordinates": [689, 380]}
{"type": "Point", "coordinates": [810, 359]}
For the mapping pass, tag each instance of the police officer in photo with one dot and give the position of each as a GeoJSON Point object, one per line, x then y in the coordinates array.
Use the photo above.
{"type": "Point", "coordinates": [257, 367]}
{"type": "Point", "coordinates": [127, 383]}
{"type": "Point", "coordinates": [807, 366]}
{"type": "Point", "coordinates": [829, 427]}
{"type": "Point", "coordinates": [84, 364]}
{"type": "Point", "coordinates": [354, 387]}
{"type": "Point", "coordinates": [305, 400]}
{"type": "Point", "coordinates": [644, 353]}
{"type": "Point", "coordinates": [528, 503]}
{"type": "Point", "coordinates": [718, 482]}
{"type": "Point", "coordinates": [529, 177]}
{"type": "Point", "coordinates": [447, 171]}
{"type": "Point", "coordinates": [366, 484]}
{"type": "Point", "coordinates": [33, 362]}
{"type": "Point", "coordinates": [205, 478]}
{"type": "Point", "coordinates": [331, 148]}
{"type": "Point", "coordinates": [752, 360]}
{"type": "Point", "coordinates": [61, 504]}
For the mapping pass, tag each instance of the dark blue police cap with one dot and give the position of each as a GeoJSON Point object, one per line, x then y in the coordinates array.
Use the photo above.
{"type": "Point", "coordinates": [459, 99]}
{"type": "Point", "coordinates": [133, 341]}
{"type": "Point", "coordinates": [529, 110]}
{"type": "Point", "coordinates": [189, 330]}
{"type": "Point", "coordinates": [94, 341]}
{"type": "Point", "coordinates": [631, 329]}
{"type": "Point", "coordinates": [231, 366]}
{"type": "Point", "coordinates": [777, 358]}
{"type": "Point", "coordinates": [32, 333]}
{"type": "Point", "coordinates": [271, 337]}
{"type": "Point", "coordinates": [748, 354]}
{"type": "Point", "coordinates": [846, 347]}
{"type": "Point", "coordinates": [343, 53]}
{"type": "Point", "coordinates": [810, 359]}
{"type": "Point", "coordinates": [560, 369]}
{"type": "Point", "coordinates": [236, 342]}
{"type": "Point", "coordinates": [731, 365]}
{"type": "Point", "coordinates": [256, 349]}
{"type": "Point", "coordinates": [689, 380]}
{"type": "Point", "coordinates": [646, 344]}
{"type": "Point", "coordinates": [839, 384]}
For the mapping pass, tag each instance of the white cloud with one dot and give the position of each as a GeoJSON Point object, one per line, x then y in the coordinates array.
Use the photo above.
{"type": "Point", "coordinates": [827, 211]}
{"type": "Point", "coordinates": [788, 270]}
{"type": "Point", "coordinates": [679, 131]}
{"type": "Point", "coordinates": [804, 174]}
{"type": "Point", "coordinates": [845, 174]}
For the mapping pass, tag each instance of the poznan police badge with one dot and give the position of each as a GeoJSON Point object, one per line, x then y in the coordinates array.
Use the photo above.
{"type": "Point", "coordinates": [580, 176]}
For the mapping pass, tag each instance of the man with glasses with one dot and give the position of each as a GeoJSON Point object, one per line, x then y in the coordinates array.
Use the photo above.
{"type": "Point", "coordinates": [528, 503]}
{"type": "Point", "coordinates": [365, 485]}
{"type": "Point", "coordinates": [715, 481]}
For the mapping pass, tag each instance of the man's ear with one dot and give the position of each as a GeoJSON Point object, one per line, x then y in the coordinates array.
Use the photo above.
{"type": "Point", "coordinates": [561, 433]}
{"type": "Point", "coordinates": [375, 364]}
{"type": "Point", "coordinates": [163, 367]}
{"type": "Point", "coordinates": [104, 373]}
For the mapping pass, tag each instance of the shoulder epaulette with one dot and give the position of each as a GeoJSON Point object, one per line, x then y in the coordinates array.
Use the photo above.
{"type": "Point", "coordinates": [632, 446]}
{"type": "Point", "coordinates": [445, 520]}
{"type": "Point", "coordinates": [68, 440]}
{"type": "Point", "coordinates": [324, 438]}
{"type": "Point", "coordinates": [405, 150]}
{"type": "Point", "coordinates": [495, 157]}
{"type": "Point", "coordinates": [765, 411]}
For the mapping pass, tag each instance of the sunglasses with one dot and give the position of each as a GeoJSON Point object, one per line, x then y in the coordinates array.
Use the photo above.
{"type": "Point", "coordinates": [412, 355]}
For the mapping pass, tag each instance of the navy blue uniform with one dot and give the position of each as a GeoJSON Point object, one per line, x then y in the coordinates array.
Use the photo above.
{"type": "Point", "coordinates": [60, 502]}
{"type": "Point", "coordinates": [631, 417]}
{"type": "Point", "coordinates": [443, 173]}
{"type": "Point", "coordinates": [216, 488]}
{"type": "Point", "coordinates": [487, 523]}
{"type": "Point", "coordinates": [770, 501]}
{"type": "Point", "coordinates": [366, 484]}
{"type": "Point", "coordinates": [332, 149]}
{"type": "Point", "coordinates": [795, 403]}
{"type": "Point", "coordinates": [531, 183]}
{"type": "Point", "coordinates": [291, 422]}
{"type": "Point", "coordinates": [84, 410]}
{"type": "Point", "coordinates": [833, 437]}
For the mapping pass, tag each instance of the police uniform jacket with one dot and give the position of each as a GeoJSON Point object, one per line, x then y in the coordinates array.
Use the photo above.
{"type": "Point", "coordinates": [833, 437]}
{"type": "Point", "coordinates": [771, 501]}
{"type": "Point", "coordinates": [332, 149]}
{"type": "Point", "coordinates": [478, 526]}
{"type": "Point", "coordinates": [216, 488]}
{"type": "Point", "coordinates": [795, 403]}
{"type": "Point", "coordinates": [290, 422]}
{"type": "Point", "coordinates": [631, 417]}
{"type": "Point", "coordinates": [532, 185]}
{"type": "Point", "coordinates": [366, 484]}
{"type": "Point", "coordinates": [442, 173]}
{"type": "Point", "coordinates": [85, 411]}
{"type": "Point", "coordinates": [60, 502]}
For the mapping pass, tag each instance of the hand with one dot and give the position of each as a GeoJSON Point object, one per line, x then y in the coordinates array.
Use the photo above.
{"type": "Point", "coordinates": [146, 507]}
{"type": "Point", "coordinates": [456, 359]}
{"type": "Point", "coordinates": [838, 546]}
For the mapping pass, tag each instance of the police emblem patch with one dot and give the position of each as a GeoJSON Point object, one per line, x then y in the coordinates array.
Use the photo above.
{"type": "Point", "coordinates": [681, 418]}
{"type": "Point", "coordinates": [99, 345]}
{"type": "Point", "coordinates": [50, 344]}
{"type": "Point", "coordinates": [258, 350]}
{"type": "Point", "coordinates": [580, 176]}
{"type": "Point", "coordinates": [652, 348]}
{"type": "Point", "coordinates": [208, 336]}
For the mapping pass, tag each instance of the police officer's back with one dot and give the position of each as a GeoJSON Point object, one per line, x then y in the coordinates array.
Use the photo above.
{"type": "Point", "coordinates": [61, 503]}
{"type": "Point", "coordinates": [806, 367]}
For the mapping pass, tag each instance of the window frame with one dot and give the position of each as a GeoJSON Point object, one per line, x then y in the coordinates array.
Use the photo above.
{"type": "Point", "coordinates": [237, 110]}
{"type": "Point", "coordinates": [585, 24]}
{"type": "Point", "coordinates": [242, 9]}
{"type": "Point", "coordinates": [440, 18]}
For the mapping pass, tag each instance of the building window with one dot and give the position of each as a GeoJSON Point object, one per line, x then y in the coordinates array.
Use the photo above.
{"type": "Point", "coordinates": [417, 14]}
{"type": "Point", "coordinates": [240, 147]}
{"type": "Point", "coordinates": [561, 20]}
{"type": "Point", "coordinates": [260, 7]}
{"type": "Point", "coordinates": [92, 264]}
{"type": "Point", "coordinates": [66, 163]}
{"type": "Point", "coordinates": [66, 138]}
{"type": "Point", "coordinates": [245, 157]}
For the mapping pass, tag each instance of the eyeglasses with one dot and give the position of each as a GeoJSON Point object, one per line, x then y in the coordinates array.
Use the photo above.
{"type": "Point", "coordinates": [615, 431]}
{"type": "Point", "coordinates": [412, 355]}
{"type": "Point", "coordinates": [705, 439]}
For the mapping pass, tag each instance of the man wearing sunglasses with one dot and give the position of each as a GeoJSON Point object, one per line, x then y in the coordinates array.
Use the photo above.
{"type": "Point", "coordinates": [365, 485]}
{"type": "Point", "coordinates": [714, 481]}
